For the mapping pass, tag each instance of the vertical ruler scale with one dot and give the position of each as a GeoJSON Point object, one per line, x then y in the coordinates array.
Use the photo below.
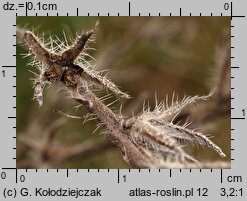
{"type": "Point", "coordinates": [104, 184]}
{"type": "Point", "coordinates": [8, 90]}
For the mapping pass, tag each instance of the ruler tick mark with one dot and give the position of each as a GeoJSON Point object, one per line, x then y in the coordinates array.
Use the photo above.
{"type": "Point", "coordinates": [8, 66]}
{"type": "Point", "coordinates": [231, 10]}
{"type": "Point", "coordinates": [221, 176]}
{"type": "Point", "coordinates": [238, 16]}
{"type": "Point", "coordinates": [16, 174]}
{"type": "Point", "coordinates": [129, 8]}
{"type": "Point", "coordinates": [118, 176]}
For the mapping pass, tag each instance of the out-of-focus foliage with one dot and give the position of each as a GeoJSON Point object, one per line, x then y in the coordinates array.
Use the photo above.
{"type": "Point", "coordinates": [144, 55]}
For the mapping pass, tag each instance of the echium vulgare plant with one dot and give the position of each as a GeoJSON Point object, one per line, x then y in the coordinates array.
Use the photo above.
{"type": "Point", "coordinates": [148, 140]}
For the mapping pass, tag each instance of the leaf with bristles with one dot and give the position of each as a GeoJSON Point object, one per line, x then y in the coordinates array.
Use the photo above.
{"type": "Point", "coordinates": [168, 112]}
{"type": "Point", "coordinates": [141, 128]}
{"type": "Point", "coordinates": [180, 133]}
{"type": "Point", "coordinates": [73, 52]}
{"type": "Point", "coordinates": [99, 80]}
{"type": "Point", "coordinates": [36, 47]}
{"type": "Point", "coordinates": [156, 148]}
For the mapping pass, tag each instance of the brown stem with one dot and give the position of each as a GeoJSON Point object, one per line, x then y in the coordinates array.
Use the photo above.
{"type": "Point", "coordinates": [135, 156]}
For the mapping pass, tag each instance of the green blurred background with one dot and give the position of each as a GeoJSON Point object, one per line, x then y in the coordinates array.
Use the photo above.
{"type": "Point", "coordinates": [144, 55]}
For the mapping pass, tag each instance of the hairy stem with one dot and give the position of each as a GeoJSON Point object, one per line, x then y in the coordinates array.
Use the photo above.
{"type": "Point", "coordinates": [134, 155]}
